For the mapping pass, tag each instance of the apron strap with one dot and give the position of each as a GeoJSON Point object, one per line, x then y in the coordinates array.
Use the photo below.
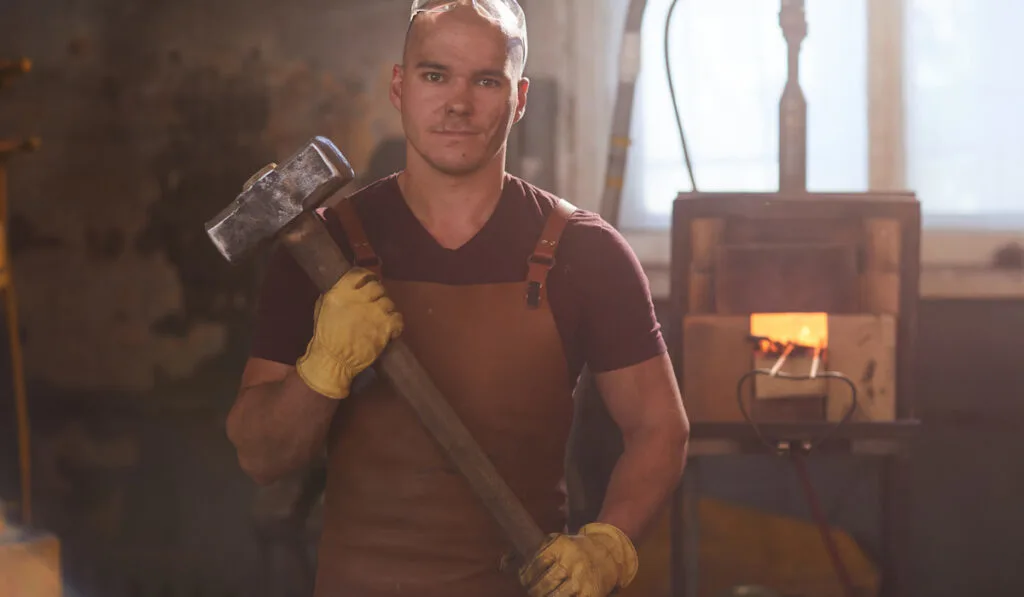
{"type": "Point", "coordinates": [543, 257]}
{"type": "Point", "coordinates": [365, 256]}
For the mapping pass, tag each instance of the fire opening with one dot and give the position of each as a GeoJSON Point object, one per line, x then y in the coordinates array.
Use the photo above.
{"type": "Point", "coordinates": [777, 333]}
{"type": "Point", "coordinates": [791, 337]}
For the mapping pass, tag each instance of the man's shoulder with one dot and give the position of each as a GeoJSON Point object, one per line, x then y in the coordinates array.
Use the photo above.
{"type": "Point", "coordinates": [598, 279]}
{"type": "Point", "coordinates": [588, 240]}
{"type": "Point", "coordinates": [382, 188]}
{"type": "Point", "coordinates": [583, 223]}
{"type": "Point", "coordinates": [368, 200]}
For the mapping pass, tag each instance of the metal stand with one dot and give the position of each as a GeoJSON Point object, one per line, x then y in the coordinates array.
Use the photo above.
{"type": "Point", "coordinates": [886, 441]}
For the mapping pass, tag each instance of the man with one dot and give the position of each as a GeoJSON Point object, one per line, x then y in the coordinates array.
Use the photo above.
{"type": "Point", "coordinates": [503, 292]}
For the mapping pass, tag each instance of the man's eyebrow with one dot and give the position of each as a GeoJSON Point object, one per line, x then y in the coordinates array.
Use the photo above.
{"type": "Point", "coordinates": [487, 72]}
{"type": "Point", "coordinates": [497, 74]}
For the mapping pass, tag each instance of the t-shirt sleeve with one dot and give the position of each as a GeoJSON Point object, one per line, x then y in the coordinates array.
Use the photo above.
{"type": "Point", "coordinates": [618, 326]}
{"type": "Point", "coordinates": [283, 321]}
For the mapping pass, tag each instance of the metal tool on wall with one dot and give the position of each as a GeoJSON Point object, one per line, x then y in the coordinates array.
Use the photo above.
{"type": "Point", "coordinates": [9, 148]}
{"type": "Point", "coordinates": [30, 562]}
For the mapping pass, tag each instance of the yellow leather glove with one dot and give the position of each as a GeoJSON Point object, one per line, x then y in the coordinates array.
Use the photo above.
{"type": "Point", "coordinates": [594, 563]}
{"type": "Point", "coordinates": [352, 323]}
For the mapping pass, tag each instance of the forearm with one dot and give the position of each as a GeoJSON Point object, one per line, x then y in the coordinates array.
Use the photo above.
{"type": "Point", "coordinates": [644, 477]}
{"type": "Point", "coordinates": [278, 427]}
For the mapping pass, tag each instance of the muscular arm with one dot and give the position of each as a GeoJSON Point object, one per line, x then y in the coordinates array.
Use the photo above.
{"type": "Point", "coordinates": [620, 337]}
{"type": "Point", "coordinates": [277, 424]}
{"type": "Point", "coordinates": [645, 403]}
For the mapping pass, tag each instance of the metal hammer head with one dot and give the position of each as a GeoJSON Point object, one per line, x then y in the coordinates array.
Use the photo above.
{"type": "Point", "coordinates": [276, 195]}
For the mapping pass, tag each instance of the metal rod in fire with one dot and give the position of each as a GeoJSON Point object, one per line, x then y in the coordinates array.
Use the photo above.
{"type": "Point", "coordinates": [782, 359]}
{"type": "Point", "coordinates": [816, 362]}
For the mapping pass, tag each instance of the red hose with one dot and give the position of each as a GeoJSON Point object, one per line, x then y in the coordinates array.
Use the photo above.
{"type": "Point", "coordinates": [819, 517]}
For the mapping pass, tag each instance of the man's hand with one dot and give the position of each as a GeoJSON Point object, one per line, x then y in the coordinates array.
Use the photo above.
{"type": "Point", "coordinates": [593, 563]}
{"type": "Point", "coordinates": [353, 322]}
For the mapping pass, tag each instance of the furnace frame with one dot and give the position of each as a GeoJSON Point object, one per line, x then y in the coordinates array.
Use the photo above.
{"type": "Point", "coordinates": [901, 207]}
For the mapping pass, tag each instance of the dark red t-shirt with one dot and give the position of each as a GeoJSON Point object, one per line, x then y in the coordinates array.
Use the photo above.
{"type": "Point", "coordinates": [598, 292]}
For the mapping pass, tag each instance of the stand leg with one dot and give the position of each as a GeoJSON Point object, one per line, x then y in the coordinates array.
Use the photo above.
{"type": "Point", "coordinates": [895, 524]}
{"type": "Point", "coordinates": [686, 534]}
{"type": "Point", "coordinates": [21, 403]}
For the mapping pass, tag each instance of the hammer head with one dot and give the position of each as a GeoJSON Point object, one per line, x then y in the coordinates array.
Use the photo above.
{"type": "Point", "coordinates": [276, 196]}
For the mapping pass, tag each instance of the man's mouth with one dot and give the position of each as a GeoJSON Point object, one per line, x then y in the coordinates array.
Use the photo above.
{"type": "Point", "coordinates": [456, 131]}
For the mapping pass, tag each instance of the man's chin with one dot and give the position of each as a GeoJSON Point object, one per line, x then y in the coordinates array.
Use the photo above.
{"type": "Point", "coordinates": [456, 167]}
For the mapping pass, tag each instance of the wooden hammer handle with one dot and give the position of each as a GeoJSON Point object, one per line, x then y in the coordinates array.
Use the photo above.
{"type": "Point", "coordinates": [312, 246]}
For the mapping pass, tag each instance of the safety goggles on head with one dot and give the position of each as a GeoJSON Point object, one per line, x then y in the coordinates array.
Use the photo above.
{"type": "Point", "coordinates": [502, 11]}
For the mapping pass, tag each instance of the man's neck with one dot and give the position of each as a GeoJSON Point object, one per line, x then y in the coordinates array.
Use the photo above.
{"type": "Point", "coordinates": [451, 208]}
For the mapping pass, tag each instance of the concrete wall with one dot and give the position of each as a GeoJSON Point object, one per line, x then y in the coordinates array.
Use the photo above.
{"type": "Point", "coordinates": [152, 114]}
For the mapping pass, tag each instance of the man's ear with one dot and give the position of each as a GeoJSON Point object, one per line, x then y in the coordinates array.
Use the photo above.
{"type": "Point", "coordinates": [522, 91]}
{"type": "Point", "coordinates": [395, 90]}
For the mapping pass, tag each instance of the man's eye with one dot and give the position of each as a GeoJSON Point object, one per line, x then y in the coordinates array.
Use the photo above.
{"type": "Point", "coordinates": [433, 77]}
{"type": "Point", "coordinates": [490, 82]}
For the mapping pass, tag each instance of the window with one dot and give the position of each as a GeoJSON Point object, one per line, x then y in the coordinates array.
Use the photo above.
{"type": "Point", "coordinates": [729, 68]}
{"type": "Point", "coordinates": [964, 94]}
{"type": "Point", "coordinates": [963, 97]}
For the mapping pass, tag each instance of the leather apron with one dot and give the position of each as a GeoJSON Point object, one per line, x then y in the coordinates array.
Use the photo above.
{"type": "Point", "coordinates": [399, 519]}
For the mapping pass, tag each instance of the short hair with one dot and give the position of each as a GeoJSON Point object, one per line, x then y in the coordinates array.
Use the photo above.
{"type": "Point", "coordinates": [507, 14]}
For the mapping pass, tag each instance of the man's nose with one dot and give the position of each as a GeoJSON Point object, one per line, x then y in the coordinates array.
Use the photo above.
{"type": "Point", "coordinates": [460, 103]}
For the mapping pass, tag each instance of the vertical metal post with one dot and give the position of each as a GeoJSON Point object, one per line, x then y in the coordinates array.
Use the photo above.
{"type": "Point", "coordinates": [793, 105]}
{"type": "Point", "coordinates": [7, 149]}
{"type": "Point", "coordinates": [17, 366]}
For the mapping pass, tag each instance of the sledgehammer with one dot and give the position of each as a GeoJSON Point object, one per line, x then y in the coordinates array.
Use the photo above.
{"type": "Point", "coordinates": [278, 202]}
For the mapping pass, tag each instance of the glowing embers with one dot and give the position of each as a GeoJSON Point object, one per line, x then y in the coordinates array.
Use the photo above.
{"type": "Point", "coordinates": [793, 348]}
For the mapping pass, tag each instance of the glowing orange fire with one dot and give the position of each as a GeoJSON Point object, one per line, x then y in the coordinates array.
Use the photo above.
{"type": "Point", "coordinates": [774, 332]}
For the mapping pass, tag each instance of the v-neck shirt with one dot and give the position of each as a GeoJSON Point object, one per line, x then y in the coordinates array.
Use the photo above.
{"type": "Point", "coordinates": [599, 294]}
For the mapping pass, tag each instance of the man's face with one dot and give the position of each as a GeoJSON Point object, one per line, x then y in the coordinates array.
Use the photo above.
{"type": "Point", "coordinates": [459, 90]}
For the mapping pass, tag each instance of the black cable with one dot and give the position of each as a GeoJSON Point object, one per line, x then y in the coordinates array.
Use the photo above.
{"type": "Point", "coordinates": [825, 374]}
{"type": "Point", "coordinates": [797, 455]}
{"type": "Point", "coordinates": [672, 93]}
